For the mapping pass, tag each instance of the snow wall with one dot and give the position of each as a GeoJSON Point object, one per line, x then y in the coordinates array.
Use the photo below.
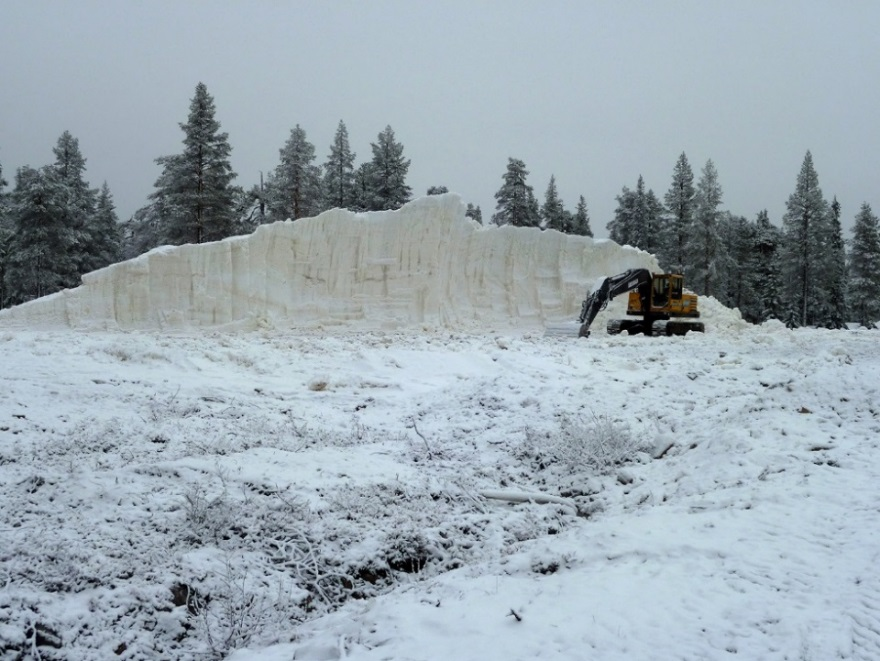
{"type": "Point", "coordinates": [426, 264]}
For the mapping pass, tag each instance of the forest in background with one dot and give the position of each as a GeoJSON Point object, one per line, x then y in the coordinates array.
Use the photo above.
{"type": "Point", "coordinates": [54, 227]}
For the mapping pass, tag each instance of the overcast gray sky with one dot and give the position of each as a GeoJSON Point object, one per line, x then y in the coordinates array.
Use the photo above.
{"type": "Point", "coordinates": [595, 93]}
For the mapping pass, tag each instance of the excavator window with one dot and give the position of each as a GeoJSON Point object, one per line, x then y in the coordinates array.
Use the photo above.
{"type": "Point", "coordinates": [676, 288]}
{"type": "Point", "coordinates": [660, 297]}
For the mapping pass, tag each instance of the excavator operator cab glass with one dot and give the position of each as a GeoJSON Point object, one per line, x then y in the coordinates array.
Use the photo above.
{"type": "Point", "coordinates": [660, 291]}
{"type": "Point", "coordinates": [677, 284]}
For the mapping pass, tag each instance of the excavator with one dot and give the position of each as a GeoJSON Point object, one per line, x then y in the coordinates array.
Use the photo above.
{"type": "Point", "coordinates": [657, 299]}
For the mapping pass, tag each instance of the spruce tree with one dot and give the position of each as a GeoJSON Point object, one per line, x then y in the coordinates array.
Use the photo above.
{"type": "Point", "coordinates": [515, 200]}
{"type": "Point", "coordinates": [70, 166]}
{"type": "Point", "coordinates": [581, 221]}
{"type": "Point", "coordinates": [362, 196]}
{"type": "Point", "coordinates": [194, 196]}
{"type": "Point", "coordinates": [704, 252]}
{"type": "Point", "coordinates": [733, 286]}
{"type": "Point", "coordinates": [295, 187]}
{"type": "Point", "coordinates": [864, 268]}
{"type": "Point", "coordinates": [143, 231]}
{"type": "Point", "coordinates": [553, 210]}
{"type": "Point", "coordinates": [339, 175]}
{"type": "Point", "coordinates": [638, 219]}
{"type": "Point", "coordinates": [832, 312]}
{"type": "Point", "coordinates": [621, 229]}
{"type": "Point", "coordinates": [103, 232]}
{"type": "Point", "coordinates": [43, 255]}
{"type": "Point", "coordinates": [388, 173]}
{"type": "Point", "coordinates": [5, 238]}
{"type": "Point", "coordinates": [804, 224]}
{"type": "Point", "coordinates": [437, 190]}
{"type": "Point", "coordinates": [474, 212]}
{"type": "Point", "coordinates": [680, 202]}
{"type": "Point", "coordinates": [655, 227]}
{"type": "Point", "coordinates": [764, 275]}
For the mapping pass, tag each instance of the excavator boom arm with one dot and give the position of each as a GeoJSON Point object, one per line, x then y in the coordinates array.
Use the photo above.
{"type": "Point", "coordinates": [609, 288]}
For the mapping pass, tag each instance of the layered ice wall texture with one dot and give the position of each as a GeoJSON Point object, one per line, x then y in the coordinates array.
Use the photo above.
{"type": "Point", "coordinates": [423, 265]}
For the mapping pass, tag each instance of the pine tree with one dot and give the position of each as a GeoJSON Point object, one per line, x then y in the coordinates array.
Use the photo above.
{"type": "Point", "coordinates": [362, 197]}
{"type": "Point", "coordinates": [804, 220]}
{"type": "Point", "coordinates": [638, 219]}
{"type": "Point", "coordinates": [553, 210]}
{"type": "Point", "coordinates": [515, 200]}
{"type": "Point", "coordinates": [581, 221]}
{"type": "Point", "coordinates": [733, 285]}
{"type": "Point", "coordinates": [388, 173]}
{"type": "Point", "coordinates": [339, 176]}
{"type": "Point", "coordinates": [437, 190]}
{"type": "Point", "coordinates": [621, 227]}
{"type": "Point", "coordinates": [194, 196]}
{"type": "Point", "coordinates": [70, 166]}
{"type": "Point", "coordinates": [5, 238]}
{"type": "Point", "coordinates": [295, 187]}
{"type": "Point", "coordinates": [251, 208]}
{"type": "Point", "coordinates": [680, 202]}
{"type": "Point", "coordinates": [864, 268]}
{"type": "Point", "coordinates": [765, 274]}
{"type": "Point", "coordinates": [704, 252]}
{"type": "Point", "coordinates": [474, 213]}
{"type": "Point", "coordinates": [143, 231]}
{"type": "Point", "coordinates": [43, 255]}
{"type": "Point", "coordinates": [103, 232]}
{"type": "Point", "coordinates": [655, 227]}
{"type": "Point", "coordinates": [832, 312]}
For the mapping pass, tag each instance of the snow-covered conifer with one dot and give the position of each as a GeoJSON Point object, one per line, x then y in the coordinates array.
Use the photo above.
{"type": "Point", "coordinates": [804, 225]}
{"type": "Point", "coordinates": [679, 200]}
{"type": "Point", "coordinates": [339, 183]}
{"type": "Point", "coordinates": [43, 252]}
{"type": "Point", "coordinates": [832, 312]}
{"type": "Point", "coordinates": [553, 210]}
{"type": "Point", "coordinates": [362, 195]}
{"type": "Point", "coordinates": [194, 196]}
{"type": "Point", "coordinates": [864, 268]}
{"type": "Point", "coordinates": [474, 212]}
{"type": "Point", "coordinates": [295, 186]}
{"type": "Point", "coordinates": [581, 220]}
{"type": "Point", "coordinates": [388, 173]}
{"type": "Point", "coordinates": [620, 227]}
{"type": "Point", "coordinates": [515, 200]}
{"type": "Point", "coordinates": [761, 273]}
{"type": "Point", "coordinates": [102, 230]}
{"type": "Point", "coordinates": [704, 251]}
{"type": "Point", "coordinates": [637, 219]}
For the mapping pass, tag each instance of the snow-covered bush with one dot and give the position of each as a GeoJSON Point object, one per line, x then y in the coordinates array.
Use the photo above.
{"type": "Point", "coordinates": [595, 443]}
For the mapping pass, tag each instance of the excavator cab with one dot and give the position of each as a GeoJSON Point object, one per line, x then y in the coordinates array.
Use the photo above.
{"type": "Point", "coordinates": [668, 298]}
{"type": "Point", "coordinates": [660, 291]}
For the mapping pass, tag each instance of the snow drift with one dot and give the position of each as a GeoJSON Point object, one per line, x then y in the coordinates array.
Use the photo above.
{"type": "Point", "coordinates": [426, 264]}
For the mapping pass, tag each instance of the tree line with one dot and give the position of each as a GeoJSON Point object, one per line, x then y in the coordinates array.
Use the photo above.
{"type": "Point", "coordinates": [54, 227]}
{"type": "Point", "coordinates": [800, 273]}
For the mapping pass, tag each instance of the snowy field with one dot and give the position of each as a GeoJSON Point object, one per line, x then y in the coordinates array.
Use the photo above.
{"type": "Point", "coordinates": [272, 495]}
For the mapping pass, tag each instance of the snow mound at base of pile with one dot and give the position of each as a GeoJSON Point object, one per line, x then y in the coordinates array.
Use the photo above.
{"type": "Point", "coordinates": [720, 319]}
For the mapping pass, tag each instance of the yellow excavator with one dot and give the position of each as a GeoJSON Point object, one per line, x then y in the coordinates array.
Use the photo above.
{"type": "Point", "coordinates": [656, 300]}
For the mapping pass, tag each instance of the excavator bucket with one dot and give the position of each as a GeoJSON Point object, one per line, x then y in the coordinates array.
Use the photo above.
{"type": "Point", "coordinates": [562, 329]}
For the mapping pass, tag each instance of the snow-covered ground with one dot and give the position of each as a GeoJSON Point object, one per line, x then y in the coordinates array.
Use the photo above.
{"type": "Point", "coordinates": [277, 495]}
{"type": "Point", "coordinates": [349, 437]}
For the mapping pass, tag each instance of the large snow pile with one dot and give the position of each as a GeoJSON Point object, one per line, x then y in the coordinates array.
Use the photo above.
{"type": "Point", "coordinates": [426, 265]}
{"type": "Point", "coordinates": [275, 496]}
